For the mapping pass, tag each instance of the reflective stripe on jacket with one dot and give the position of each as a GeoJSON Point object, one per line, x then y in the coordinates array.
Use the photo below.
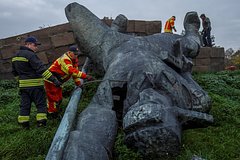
{"type": "Point", "coordinates": [30, 82]}
{"type": "Point", "coordinates": [64, 68]}
{"type": "Point", "coordinates": [29, 68]}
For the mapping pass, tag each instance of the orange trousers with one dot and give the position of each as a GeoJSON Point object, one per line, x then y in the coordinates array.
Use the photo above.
{"type": "Point", "coordinates": [54, 97]}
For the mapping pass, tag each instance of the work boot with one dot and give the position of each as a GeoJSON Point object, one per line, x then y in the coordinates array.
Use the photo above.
{"type": "Point", "coordinates": [25, 125]}
{"type": "Point", "coordinates": [42, 123]}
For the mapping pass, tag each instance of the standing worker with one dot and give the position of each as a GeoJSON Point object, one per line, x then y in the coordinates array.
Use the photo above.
{"type": "Point", "coordinates": [169, 25]}
{"type": "Point", "coordinates": [29, 70]}
{"type": "Point", "coordinates": [63, 69]}
{"type": "Point", "coordinates": [206, 32]}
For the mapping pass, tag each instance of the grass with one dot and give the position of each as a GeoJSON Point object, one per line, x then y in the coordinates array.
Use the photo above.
{"type": "Point", "coordinates": [219, 141]}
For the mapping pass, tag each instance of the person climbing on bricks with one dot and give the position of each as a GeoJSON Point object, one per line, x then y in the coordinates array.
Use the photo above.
{"type": "Point", "coordinates": [206, 32]}
{"type": "Point", "coordinates": [169, 25]}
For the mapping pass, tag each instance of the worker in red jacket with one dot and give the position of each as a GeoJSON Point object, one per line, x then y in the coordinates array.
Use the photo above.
{"type": "Point", "coordinates": [169, 25]}
{"type": "Point", "coordinates": [63, 69]}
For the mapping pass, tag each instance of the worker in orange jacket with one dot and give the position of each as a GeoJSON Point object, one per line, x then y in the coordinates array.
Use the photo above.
{"type": "Point", "coordinates": [63, 69]}
{"type": "Point", "coordinates": [169, 25]}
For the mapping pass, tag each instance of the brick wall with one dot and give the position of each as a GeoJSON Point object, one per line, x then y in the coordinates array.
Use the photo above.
{"type": "Point", "coordinates": [56, 40]}
{"type": "Point", "coordinates": [53, 40]}
{"type": "Point", "coordinates": [209, 60]}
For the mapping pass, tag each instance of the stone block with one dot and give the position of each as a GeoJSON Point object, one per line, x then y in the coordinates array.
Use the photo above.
{"type": "Point", "coordinates": [14, 40]}
{"type": "Point", "coordinates": [203, 61]}
{"type": "Point", "coordinates": [43, 57]}
{"type": "Point", "coordinates": [55, 53]}
{"type": "Point", "coordinates": [205, 52]}
{"type": "Point", "coordinates": [8, 51]}
{"type": "Point", "coordinates": [61, 50]}
{"type": "Point", "coordinates": [41, 35]}
{"type": "Point", "coordinates": [217, 64]}
{"type": "Point", "coordinates": [46, 44]}
{"type": "Point", "coordinates": [153, 27]}
{"type": "Point", "coordinates": [60, 29]}
{"type": "Point", "coordinates": [130, 26]}
{"type": "Point", "coordinates": [217, 52]}
{"type": "Point", "coordinates": [51, 56]}
{"type": "Point", "coordinates": [217, 61]}
{"type": "Point", "coordinates": [211, 52]}
{"type": "Point", "coordinates": [6, 66]}
{"type": "Point", "coordinates": [6, 76]}
{"type": "Point", "coordinates": [107, 21]}
{"type": "Point", "coordinates": [216, 68]}
{"type": "Point", "coordinates": [2, 43]}
{"type": "Point", "coordinates": [194, 62]}
{"type": "Point", "coordinates": [140, 26]}
{"type": "Point", "coordinates": [201, 68]}
{"type": "Point", "coordinates": [62, 39]}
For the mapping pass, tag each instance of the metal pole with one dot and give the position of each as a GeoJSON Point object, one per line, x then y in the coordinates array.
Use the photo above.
{"type": "Point", "coordinates": [61, 137]}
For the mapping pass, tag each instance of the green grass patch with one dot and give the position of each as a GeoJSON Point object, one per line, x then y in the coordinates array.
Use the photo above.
{"type": "Point", "coordinates": [219, 141]}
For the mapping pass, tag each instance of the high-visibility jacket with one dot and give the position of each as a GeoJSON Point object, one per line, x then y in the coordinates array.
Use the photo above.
{"type": "Point", "coordinates": [169, 25]}
{"type": "Point", "coordinates": [65, 67]}
{"type": "Point", "coordinates": [29, 69]}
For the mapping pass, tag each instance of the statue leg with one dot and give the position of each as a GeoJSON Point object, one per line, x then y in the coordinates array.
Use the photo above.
{"type": "Point", "coordinates": [96, 129]}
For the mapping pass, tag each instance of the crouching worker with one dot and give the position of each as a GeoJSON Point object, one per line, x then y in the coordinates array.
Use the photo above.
{"type": "Point", "coordinates": [29, 70]}
{"type": "Point", "coordinates": [63, 69]}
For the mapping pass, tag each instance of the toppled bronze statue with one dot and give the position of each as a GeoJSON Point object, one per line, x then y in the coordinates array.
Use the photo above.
{"type": "Point", "coordinates": [147, 83]}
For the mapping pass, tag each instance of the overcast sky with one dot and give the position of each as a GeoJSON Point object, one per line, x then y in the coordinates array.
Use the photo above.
{"type": "Point", "coordinates": [21, 16]}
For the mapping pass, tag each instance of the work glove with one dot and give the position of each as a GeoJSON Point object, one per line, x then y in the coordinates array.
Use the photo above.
{"type": "Point", "coordinates": [57, 83]}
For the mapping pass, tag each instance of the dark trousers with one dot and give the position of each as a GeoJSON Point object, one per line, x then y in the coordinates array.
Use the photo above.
{"type": "Point", "coordinates": [36, 95]}
{"type": "Point", "coordinates": [207, 38]}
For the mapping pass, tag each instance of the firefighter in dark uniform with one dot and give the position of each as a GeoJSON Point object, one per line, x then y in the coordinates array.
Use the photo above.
{"type": "Point", "coordinates": [30, 71]}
